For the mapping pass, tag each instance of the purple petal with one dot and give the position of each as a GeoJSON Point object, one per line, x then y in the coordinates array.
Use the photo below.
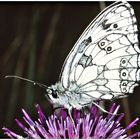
{"type": "Point", "coordinates": [132, 124]}
{"type": "Point", "coordinates": [27, 118]}
{"type": "Point", "coordinates": [76, 114]}
{"type": "Point", "coordinates": [41, 114]}
{"type": "Point", "coordinates": [11, 133]}
{"type": "Point", "coordinates": [93, 111]}
{"type": "Point", "coordinates": [137, 134]}
{"type": "Point", "coordinates": [21, 125]}
{"type": "Point", "coordinates": [63, 113]}
{"type": "Point", "coordinates": [70, 128]}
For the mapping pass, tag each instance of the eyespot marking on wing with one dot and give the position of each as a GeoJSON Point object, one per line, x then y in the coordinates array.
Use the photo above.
{"type": "Point", "coordinates": [123, 86]}
{"type": "Point", "coordinates": [124, 74]}
{"type": "Point", "coordinates": [123, 62]}
{"type": "Point", "coordinates": [115, 25]}
{"type": "Point", "coordinates": [102, 44]}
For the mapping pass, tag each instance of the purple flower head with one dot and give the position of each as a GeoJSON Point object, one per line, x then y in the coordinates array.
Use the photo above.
{"type": "Point", "coordinates": [89, 125]}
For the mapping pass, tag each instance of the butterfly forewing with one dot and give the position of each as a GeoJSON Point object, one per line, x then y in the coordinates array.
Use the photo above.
{"type": "Point", "coordinates": [104, 62]}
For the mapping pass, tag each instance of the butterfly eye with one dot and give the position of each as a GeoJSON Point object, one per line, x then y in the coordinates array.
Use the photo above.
{"type": "Point", "coordinates": [54, 94]}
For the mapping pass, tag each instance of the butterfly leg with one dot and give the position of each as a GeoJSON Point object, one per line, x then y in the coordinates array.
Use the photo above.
{"type": "Point", "coordinates": [70, 114]}
{"type": "Point", "coordinates": [105, 110]}
{"type": "Point", "coordinates": [56, 108]}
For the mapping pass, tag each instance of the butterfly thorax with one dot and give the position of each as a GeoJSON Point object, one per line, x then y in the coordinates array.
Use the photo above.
{"type": "Point", "coordinates": [69, 98]}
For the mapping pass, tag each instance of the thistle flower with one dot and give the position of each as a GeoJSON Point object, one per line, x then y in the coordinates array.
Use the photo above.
{"type": "Point", "coordinates": [90, 125]}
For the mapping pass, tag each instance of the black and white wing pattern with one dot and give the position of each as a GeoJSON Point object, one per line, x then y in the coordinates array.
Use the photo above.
{"type": "Point", "coordinates": [104, 62]}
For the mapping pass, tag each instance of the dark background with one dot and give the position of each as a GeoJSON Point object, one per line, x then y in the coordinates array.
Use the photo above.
{"type": "Point", "coordinates": [35, 39]}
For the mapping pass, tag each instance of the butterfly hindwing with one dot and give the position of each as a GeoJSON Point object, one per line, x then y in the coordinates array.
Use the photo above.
{"type": "Point", "coordinates": [104, 63]}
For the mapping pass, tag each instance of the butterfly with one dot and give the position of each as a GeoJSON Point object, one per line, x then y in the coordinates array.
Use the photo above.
{"type": "Point", "coordinates": [103, 64]}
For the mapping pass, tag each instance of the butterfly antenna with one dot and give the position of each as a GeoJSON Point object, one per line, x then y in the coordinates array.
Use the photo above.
{"type": "Point", "coordinates": [28, 80]}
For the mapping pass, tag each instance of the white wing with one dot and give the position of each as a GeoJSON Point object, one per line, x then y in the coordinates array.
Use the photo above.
{"type": "Point", "coordinates": [104, 62]}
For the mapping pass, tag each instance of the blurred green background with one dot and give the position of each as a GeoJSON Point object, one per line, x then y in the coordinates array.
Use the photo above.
{"type": "Point", "coordinates": [35, 39]}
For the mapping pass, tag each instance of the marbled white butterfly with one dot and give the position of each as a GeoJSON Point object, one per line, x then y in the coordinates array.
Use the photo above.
{"type": "Point", "coordinates": [104, 62]}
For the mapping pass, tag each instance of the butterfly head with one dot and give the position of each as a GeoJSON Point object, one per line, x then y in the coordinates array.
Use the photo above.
{"type": "Point", "coordinates": [55, 94]}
